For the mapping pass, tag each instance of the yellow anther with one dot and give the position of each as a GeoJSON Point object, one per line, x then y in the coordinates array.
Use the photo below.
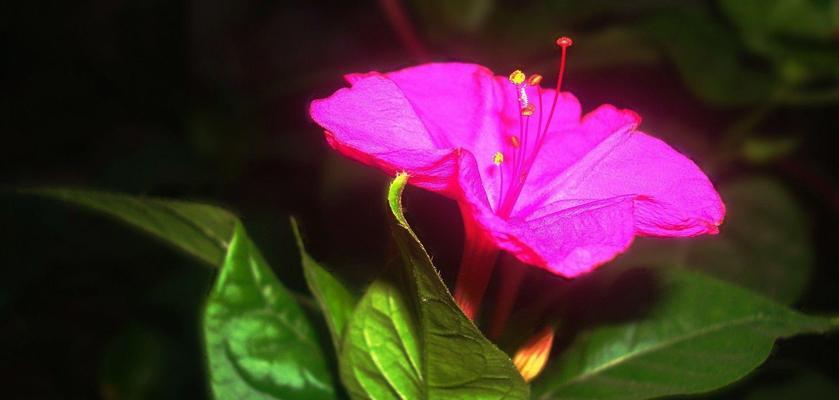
{"type": "Point", "coordinates": [515, 141]}
{"type": "Point", "coordinates": [534, 80]}
{"type": "Point", "coordinates": [498, 158]}
{"type": "Point", "coordinates": [517, 77]}
{"type": "Point", "coordinates": [528, 110]}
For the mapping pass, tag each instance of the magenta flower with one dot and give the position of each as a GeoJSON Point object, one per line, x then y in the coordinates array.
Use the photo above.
{"type": "Point", "coordinates": [559, 191]}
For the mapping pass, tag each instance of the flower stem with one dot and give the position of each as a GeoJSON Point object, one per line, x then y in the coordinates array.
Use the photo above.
{"type": "Point", "coordinates": [512, 274]}
{"type": "Point", "coordinates": [476, 265]}
{"type": "Point", "coordinates": [399, 21]}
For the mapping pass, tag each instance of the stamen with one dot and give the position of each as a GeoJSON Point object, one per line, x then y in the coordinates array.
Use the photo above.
{"type": "Point", "coordinates": [534, 80]}
{"type": "Point", "coordinates": [498, 159]}
{"type": "Point", "coordinates": [528, 110]}
{"type": "Point", "coordinates": [517, 77]}
{"type": "Point", "coordinates": [514, 140]}
{"type": "Point", "coordinates": [525, 154]}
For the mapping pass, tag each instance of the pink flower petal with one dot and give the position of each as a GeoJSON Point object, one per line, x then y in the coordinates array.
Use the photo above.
{"type": "Point", "coordinates": [372, 122]}
{"type": "Point", "coordinates": [566, 145]}
{"type": "Point", "coordinates": [575, 240]}
{"type": "Point", "coordinates": [672, 195]}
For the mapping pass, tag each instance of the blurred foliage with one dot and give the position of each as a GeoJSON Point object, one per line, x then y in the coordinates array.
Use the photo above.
{"type": "Point", "coordinates": [208, 100]}
{"type": "Point", "coordinates": [764, 227]}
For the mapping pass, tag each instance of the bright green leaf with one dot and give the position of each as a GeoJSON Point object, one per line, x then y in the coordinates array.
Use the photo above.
{"type": "Point", "coordinates": [201, 230]}
{"type": "Point", "coordinates": [259, 343]}
{"type": "Point", "coordinates": [699, 334]}
{"type": "Point", "coordinates": [408, 340]}
{"type": "Point", "coordinates": [334, 298]}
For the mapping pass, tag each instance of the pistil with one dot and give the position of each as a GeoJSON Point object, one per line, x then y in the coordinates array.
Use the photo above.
{"type": "Point", "coordinates": [525, 156]}
{"type": "Point", "coordinates": [480, 252]}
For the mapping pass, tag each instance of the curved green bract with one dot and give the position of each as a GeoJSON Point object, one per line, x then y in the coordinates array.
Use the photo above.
{"type": "Point", "coordinates": [394, 198]}
{"type": "Point", "coordinates": [408, 340]}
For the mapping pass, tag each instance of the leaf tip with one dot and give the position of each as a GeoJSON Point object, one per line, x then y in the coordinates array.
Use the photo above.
{"type": "Point", "coordinates": [295, 230]}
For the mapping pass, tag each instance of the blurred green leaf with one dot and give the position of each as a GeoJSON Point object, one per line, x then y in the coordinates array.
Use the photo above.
{"type": "Point", "coordinates": [611, 47]}
{"type": "Point", "coordinates": [259, 343]}
{"type": "Point", "coordinates": [707, 58]}
{"type": "Point", "coordinates": [803, 18]}
{"type": "Point", "coordinates": [460, 15]}
{"type": "Point", "coordinates": [335, 300]}
{"type": "Point", "coordinates": [201, 230]}
{"type": "Point", "coordinates": [699, 334]}
{"type": "Point", "coordinates": [798, 35]}
{"type": "Point", "coordinates": [764, 243]}
{"type": "Point", "coordinates": [758, 150]}
{"type": "Point", "coordinates": [408, 340]}
{"type": "Point", "coordinates": [134, 365]}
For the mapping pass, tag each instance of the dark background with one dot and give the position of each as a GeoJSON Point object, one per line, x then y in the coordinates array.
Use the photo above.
{"type": "Point", "coordinates": [208, 100]}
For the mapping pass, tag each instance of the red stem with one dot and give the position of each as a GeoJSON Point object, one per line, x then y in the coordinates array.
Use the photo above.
{"type": "Point", "coordinates": [479, 255]}
{"type": "Point", "coordinates": [512, 274]}
{"type": "Point", "coordinates": [399, 21]}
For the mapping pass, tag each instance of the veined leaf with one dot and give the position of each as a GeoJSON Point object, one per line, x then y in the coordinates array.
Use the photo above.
{"type": "Point", "coordinates": [700, 334]}
{"type": "Point", "coordinates": [408, 340]}
{"type": "Point", "coordinates": [201, 230]}
{"type": "Point", "coordinates": [259, 343]}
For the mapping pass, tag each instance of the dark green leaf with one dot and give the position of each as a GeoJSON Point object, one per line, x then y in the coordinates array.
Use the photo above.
{"type": "Point", "coordinates": [699, 334]}
{"type": "Point", "coordinates": [764, 243]}
{"type": "Point", "coordinates": [798, 35]}
{"type": "Point", "coordinates": [334, 298]}
{"type": "Point", "coordinates": [201, 230]}
{"type": "Point", "coordinates": [259, 343]}
{"type": "Point", "coordinates": [408, 340]}
{"type": "Point", "coordinates": [707, 58]}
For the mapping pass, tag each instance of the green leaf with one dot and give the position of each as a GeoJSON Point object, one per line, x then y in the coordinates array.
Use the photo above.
{"type": "Point", "coordinates": [334, 298]}
{"type": "Point", "coordinates": [764, 243]}
{"type": "Point", "coordinates": [259, 343]}
{"type": "Point", "coordinates": [408, 340]}
{"type": "Point", "coordinates": [201, 230]}
{"type": "Point", "coordinates": [700, 334]}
